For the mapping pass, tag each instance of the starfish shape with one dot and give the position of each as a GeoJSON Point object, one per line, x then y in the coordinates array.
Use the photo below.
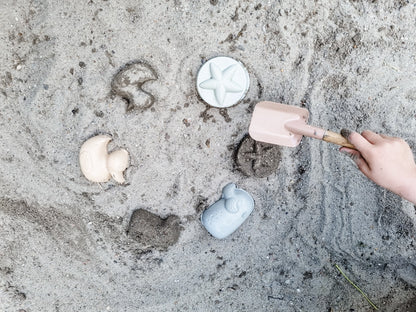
{"type": "Point", "coordinates": [221, 82]}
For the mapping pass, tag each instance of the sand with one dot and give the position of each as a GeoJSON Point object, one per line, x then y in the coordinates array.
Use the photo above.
{"type": "Point", "coordinates": [64, 240]}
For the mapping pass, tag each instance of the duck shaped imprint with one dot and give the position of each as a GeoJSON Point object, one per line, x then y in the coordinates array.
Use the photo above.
{"type": "Point", "coordinates": [225, 216]}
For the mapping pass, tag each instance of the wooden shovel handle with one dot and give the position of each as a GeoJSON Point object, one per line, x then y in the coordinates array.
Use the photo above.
{"type": "Point", "coordinates": [337, 138]}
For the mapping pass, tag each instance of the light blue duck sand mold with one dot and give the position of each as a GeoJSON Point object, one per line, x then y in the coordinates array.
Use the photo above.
{"type": "Point", "coordinates": [227, 214]}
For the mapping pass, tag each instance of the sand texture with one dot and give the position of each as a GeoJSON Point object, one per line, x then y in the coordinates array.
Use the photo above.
{"type": "Point", "coordinates": [70, 70]}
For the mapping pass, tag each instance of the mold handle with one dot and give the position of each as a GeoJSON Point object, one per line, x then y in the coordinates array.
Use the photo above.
{"type": "Point", "coordinates": [336, 138]}
{"type": "Point", "coordinates": [300, 127]}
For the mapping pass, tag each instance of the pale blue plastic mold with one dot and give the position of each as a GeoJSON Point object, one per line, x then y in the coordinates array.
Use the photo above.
{"type": "Point", "coordinates": [227, 214]}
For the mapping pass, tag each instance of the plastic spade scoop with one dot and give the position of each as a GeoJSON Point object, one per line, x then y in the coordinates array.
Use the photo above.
{"type": "Point", "coordinates": [285, 125]}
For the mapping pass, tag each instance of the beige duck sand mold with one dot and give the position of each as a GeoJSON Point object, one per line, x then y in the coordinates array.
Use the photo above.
{"type": "Point", "coordinates": [285, 125]}
{"type": "Point", "coordinates": [98, 165]}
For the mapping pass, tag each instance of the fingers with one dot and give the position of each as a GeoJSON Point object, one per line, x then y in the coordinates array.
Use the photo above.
{"type": "Point", "coordinates": [390, 138]}
{"type": "Point", "coordinates": [364, 141]}
{"type": "Point", "coordinates": [359, 141]}
{"type": "Point", "coordinates": [371, 136]}
{"type": "Point", "coordinates": [385, 136]}
{"type": "Point", "coordinates": [357, 158]}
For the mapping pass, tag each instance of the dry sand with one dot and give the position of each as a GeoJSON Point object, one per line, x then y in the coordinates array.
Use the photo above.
{"type": "Point", "coordinates": [64, 244]}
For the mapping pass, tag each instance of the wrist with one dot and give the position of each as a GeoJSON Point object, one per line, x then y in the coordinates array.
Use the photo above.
{"type": "Point", "coordinates": [408, 189]}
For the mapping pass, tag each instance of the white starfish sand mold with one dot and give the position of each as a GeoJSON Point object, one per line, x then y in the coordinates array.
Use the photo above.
{"type": "Point", "coordinates": [232, 79]}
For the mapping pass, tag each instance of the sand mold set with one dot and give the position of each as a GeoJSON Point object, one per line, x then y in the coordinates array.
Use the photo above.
{"type": "Point", "coordinates": [71, 245]}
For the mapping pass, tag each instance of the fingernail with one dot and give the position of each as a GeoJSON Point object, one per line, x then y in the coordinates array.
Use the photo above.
{"type": "Point", "coordinates": [346, 133]}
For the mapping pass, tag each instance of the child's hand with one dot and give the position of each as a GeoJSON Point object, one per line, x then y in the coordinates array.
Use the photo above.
{"type": "Point", "coordinates": [386, 160]}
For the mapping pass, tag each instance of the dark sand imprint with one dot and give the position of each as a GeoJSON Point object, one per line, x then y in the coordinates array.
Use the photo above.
{"type": "Point", "coordinates": [65, 229]}
{"type": "Point", "coordinates": [128, 82]}
{"type": "Point", "coordinates": [152, 231]}
{"type": "Point", "coordinates": [206, 116]}
{"type": "Point", "coordinates": [257, 159]}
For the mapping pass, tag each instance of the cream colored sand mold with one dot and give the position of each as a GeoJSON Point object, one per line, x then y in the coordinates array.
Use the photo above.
{"type": "Point", "coordinates": [98, 165]}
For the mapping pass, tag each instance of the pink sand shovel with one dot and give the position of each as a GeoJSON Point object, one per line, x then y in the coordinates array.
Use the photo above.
{"type": "Point", "coordinates": [285, 125]}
